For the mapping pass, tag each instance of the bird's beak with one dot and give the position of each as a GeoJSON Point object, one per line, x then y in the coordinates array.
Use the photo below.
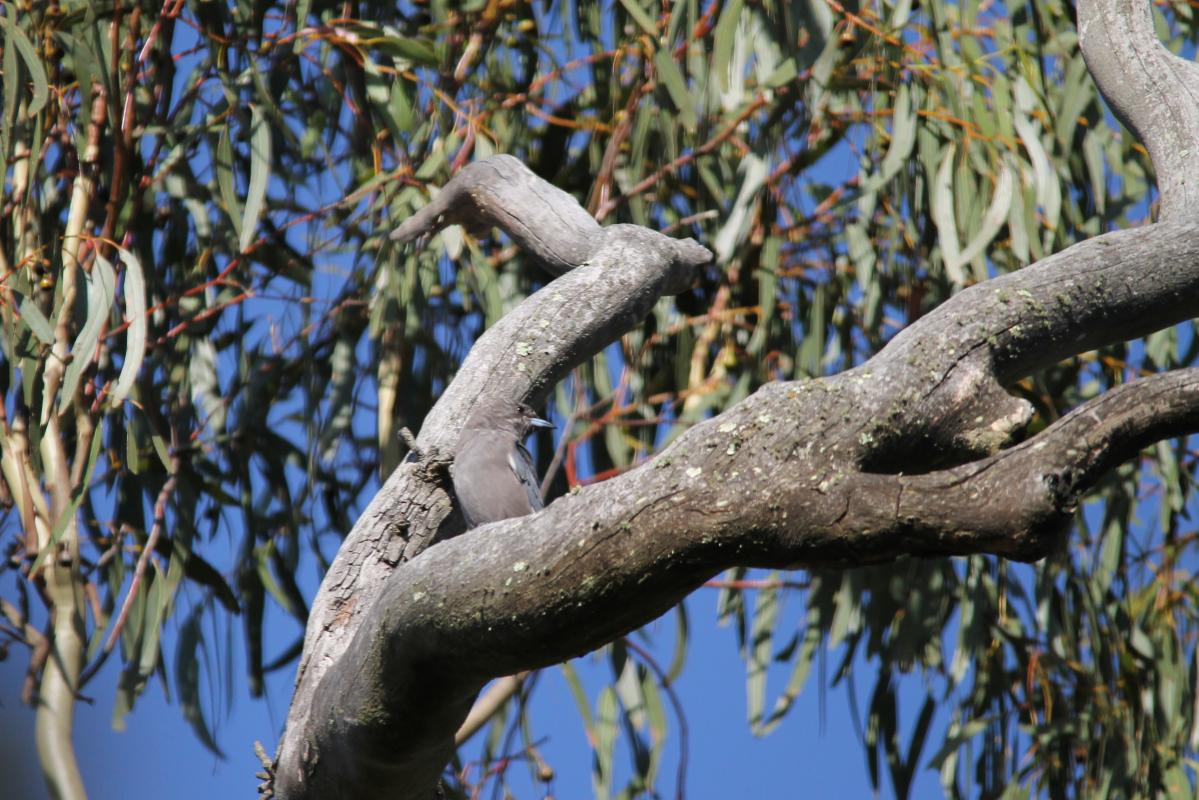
{"type": "Point", "coordinates": [538, 422]}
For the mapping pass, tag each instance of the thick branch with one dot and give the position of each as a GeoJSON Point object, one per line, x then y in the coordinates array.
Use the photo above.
{"type": "Point", "coordinates": [797, 474]}
{"type": "Point", "coordinates": [705, 505]}
{"type": "Point", "coordinates": [530, 349]}
{"type": "Point", "coordinates": [1016, 502]}
{"type": "Point", "coordinates": [938, 385]}
{"type": "Point", "coordinates": [520, 358]}
{"type": "Point", "coordinates": [533, 591]}
{"type": "Point", "coordinates": [1153, 92]}
{"type": "Point", "coordinates": [546, 222]}
{"type": "Point", "coordinates": [940, 378]}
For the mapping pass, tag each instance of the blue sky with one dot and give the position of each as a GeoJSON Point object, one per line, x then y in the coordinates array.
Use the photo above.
{"type": "Point", "coordinates": [159, 756]}
{"type": "Point", "coordinates": [815, 751]}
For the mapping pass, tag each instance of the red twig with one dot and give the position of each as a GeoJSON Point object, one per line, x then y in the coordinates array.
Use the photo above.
{"type": "Point", "coordinates": [152, 36]}
{"type": "Point", "coordinates": [705, 148]}
{"type": "Point", "coordinates": [203, 315]}
{"type": "Point", "coordinates": [160, 510]}
{"type": "Point", "coordinates": [717, 583]}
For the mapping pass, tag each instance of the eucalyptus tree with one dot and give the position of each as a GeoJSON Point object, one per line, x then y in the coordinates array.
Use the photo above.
{"type": "Point", "coordinates": [924, 314]}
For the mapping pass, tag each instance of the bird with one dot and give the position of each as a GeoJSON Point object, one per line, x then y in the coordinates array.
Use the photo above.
{"type": "Point", "coordinates": [493, 473]}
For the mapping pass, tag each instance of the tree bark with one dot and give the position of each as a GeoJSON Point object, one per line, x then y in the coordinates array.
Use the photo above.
{"type": "Point", "coordinates": [403, 635]}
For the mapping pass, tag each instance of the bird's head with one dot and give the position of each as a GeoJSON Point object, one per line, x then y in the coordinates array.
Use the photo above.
{"type": "Point", "coordinates": [527, 420]}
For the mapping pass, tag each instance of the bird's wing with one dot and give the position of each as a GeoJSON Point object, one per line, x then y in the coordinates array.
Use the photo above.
{"type": "Point", "coordinates": [522, 464]}
{"type": "Point", "coordinates": [488, 480]}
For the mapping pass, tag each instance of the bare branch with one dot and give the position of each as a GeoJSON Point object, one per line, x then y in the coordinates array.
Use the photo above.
{"type": "Point", "coordinates": [741, 489]}
{"type": "Point", "coordinates": [1153, 92]}
{"type": "Point", "coordinates": [938, 385]}
{"type": "Point", "coordinates": [798, 474]}
{"type": "Point", "coordinates": [546, 222]}
{"type": "Point", "coordinates": [488, 704]}
{"type": "Point", "coordinates": [1018, 502]}
{"type": "Point", "coordinates": [624, 270]}
{"type": "Point", "coordinates": [530, 349]}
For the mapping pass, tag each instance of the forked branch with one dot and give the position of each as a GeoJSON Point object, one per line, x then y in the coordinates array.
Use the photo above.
{"type": "Point", "coordinates": [908, 454]}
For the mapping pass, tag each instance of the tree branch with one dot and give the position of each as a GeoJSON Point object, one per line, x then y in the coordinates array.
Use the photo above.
{"type": "Point", "coordinates": [626, 269]}
{"type": "Point", "coordinates": [1152, 91]}
{"type": "Point", "coordinates": [798, 474]}
{"type": "Point", "coordinates": [544, 221]}
{"type": "Point", "coordinates": [938, 386]}
{"type": "Point", "coordinates": [489, 704]}
{"type": "Point", "coordinates": [533, 591]}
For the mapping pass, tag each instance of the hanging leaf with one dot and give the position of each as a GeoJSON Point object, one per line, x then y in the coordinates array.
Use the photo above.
{"type": "Point", "coordinates": [1049, 193]}
{"type": "Point", "coordinates": [12, 92]}
{"type": "Point", "coordinates": [32, 316]}
{"type": "Point", "coordinates": [943, 216]}
{"type": "Point", "coordinates": [903, 140]}
{"type": "Point", "coordinates": [643, 20]}
{"type": "Point", "coordinates": [676, 85]}
{"type": "Point", "coordinates": [606, 719]}
{"type": "Point", "coordinates": [135, 335]}
{"type": "Point", "coordinates": [188, 646]}
{"type": "Point", "coordinates": [260, 173]}
{"type": "Point", "coordinates": [226, 182]}
{"type": "Point", "coordinates": [37, 74]}
{"type": "Point", "coordinates": [754, 170]}
{"type": "Point", "coordinates": [205, 385]}
{"type": "Point", "coordinates": [341, 395]}
{"type": "Point", "coordinates": [761, 651]}
{"type": "Point", "coordinates": [101, 291]}
{"type": "Point", "coordinates": [725, 37]}
{"type": "Point", "coordinates": [993, 221]}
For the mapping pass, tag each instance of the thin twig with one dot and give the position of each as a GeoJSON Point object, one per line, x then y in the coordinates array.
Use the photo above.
{"type": "Point", "coordinates": [681, 776]}
{"type": "Point", "coordinates": [717, 583]}
{"type": "Point", "coordinates": [499, 693]}
{"type": "Point", "coordinates": [410, 442]}
{"type": "Point", "coordinates": [37, 660]}
{"type": "Point", "coordinates": [160, 510]}
{"type": "Point", "coordinates": [559, 452]}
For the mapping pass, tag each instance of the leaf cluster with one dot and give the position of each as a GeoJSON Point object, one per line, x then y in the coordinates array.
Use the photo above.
{"type": "Point", "coordinates": [209, 347]}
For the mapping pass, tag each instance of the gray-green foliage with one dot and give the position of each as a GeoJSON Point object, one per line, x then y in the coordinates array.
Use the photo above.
{"type": "Point", "coordinates": [208, 286]}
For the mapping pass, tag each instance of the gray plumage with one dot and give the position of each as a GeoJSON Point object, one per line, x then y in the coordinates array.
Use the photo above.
{"type": "Point", "coordinates": [494, 476]}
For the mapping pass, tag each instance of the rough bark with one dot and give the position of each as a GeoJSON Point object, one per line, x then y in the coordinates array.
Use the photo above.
{"type": "Point", "coordinates": [621, 272]}
{"type": "Point", "coordinates": [404, 634]}
{"type": "Point", "coordinates": [1152, 91]}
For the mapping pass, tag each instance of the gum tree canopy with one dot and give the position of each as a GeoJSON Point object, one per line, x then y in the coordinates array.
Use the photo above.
{"type": "Point", "coordinates": [879, 291]}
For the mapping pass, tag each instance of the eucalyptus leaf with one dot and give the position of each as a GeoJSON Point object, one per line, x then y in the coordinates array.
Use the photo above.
{"type": "Point", "coordinates": [37, 73]}
{"type": "Point", "coordinates": [101, 291]}
{"type": "Point", "coordinates": [260, 171]}
{"type": "Point", "coordinates": [135, 335]}
{"type": "Point", "coordinates": [33, 317]}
